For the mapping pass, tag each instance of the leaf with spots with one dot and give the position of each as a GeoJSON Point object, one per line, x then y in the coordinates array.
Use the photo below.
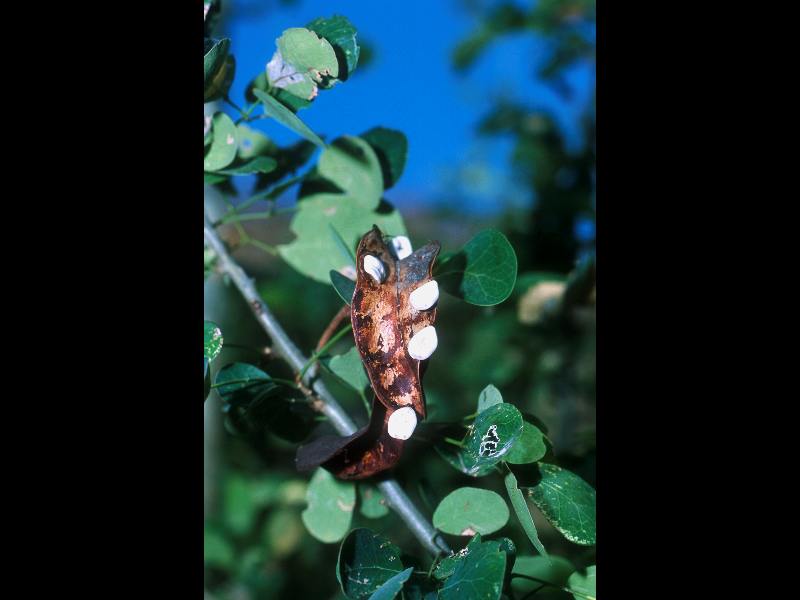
{"type": "Point", "coordinates": [367, 560]}
{"type": "Point", "coordinates": [483, 272]}
{"type": "Point", "coordinates": [479, 575]}
{"type": "Point", "coordinates": [330, 507]}
{"type": "Point", "coordinates": [212, 340]}
{"type": "Point", "coordinates": [568, 503]}
{"type": "Point", "coordinates": [372, 502]}
{"type": "Point", "coordinates": [469, 510]}
{"type": "Point", "coordinates": [222, 150]}
{"type": "Point", "coordinates": [491, 437]}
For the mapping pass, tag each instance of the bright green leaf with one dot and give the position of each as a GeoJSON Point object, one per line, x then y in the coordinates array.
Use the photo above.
{"type": "Point", "coordinates": [469, 510]}
{"type": "Point", "coordinates": [529, 448]}
{"type": "Point", "coordinates": [367, 560]}
{"type": "Point", "coordinates": [287, 118]}
{"type": "Point", "coordinates": [308, 53]}
{"type": "Point", "coordinates": [351, 164]}
{"type": "Point", "coordinates": [483, 272]}
{"type": "Point", "coordinates": [372, 502]}
{"type": "Point", "coordinates": [212, 340]}
{"type": "Point", "coordinates": [392, 587]}
{"type": "Point", "coordinates": [344, 286]}
{"type": "Point", "coordinates": [568, 502]}
{"type": "Point", "coordinates": [523, 514]}
{"type": "Point", "coordinates": [259, 164]}
{"type": "Point", "coordinates": [330, 507]}
{"type": "Point", "coordinates": [489, 396]}
{"type": "Point", "coordinates": [584, 585]}
{"type": "Point", "coordinates": [315, 251]}
{"type": "Point", "coordinates": [223, 147]}
{"type": "Point", "coordinates": [391, 147]}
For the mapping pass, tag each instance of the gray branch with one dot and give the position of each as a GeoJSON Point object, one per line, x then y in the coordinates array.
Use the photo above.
{"type": "Point", "coordinates": [397, 499]}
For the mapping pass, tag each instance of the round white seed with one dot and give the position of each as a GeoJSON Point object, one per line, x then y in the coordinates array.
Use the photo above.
{"type": "Point", "coordinates": [424, 296]}
{"type": "Point", "coordinates": [422, 345]}
{"type": "Point", "coordinates": [401, 246]}
{"type": "Point", "coordinates": [402, 423]}
{"type": "Point", "coordinates": [374, 267]}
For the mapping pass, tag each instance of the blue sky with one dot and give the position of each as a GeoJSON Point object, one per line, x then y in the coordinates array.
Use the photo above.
{"type": "Point", "coordinates": [411, 86]}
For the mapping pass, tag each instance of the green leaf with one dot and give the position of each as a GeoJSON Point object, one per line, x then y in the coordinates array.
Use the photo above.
{"type": "Point", "coordinates": [568, 503]}
{"type": "Point", "coordinates": [479, 575]}
{"type": "Point", "coordinates": [555, 571]}
{"type": "Point", "coordinates": [222, 150]}
{"type": "Point", "coordinates": [308, 53]}
{"type": "Point", "coordinates": [469, 510]}
{"type": "Point", "coordinates": [391, 147]}
{"type": "Point", "coordinates": [349, 368]}
{"type": "Point", "coordinates": [351, 164]}
{"type": "Point", "coordinates": [489, 396]}
{"type": "Point", "coordinates": [237, 380]}
{"type": "Point", "coordinates": [315, 252]}
{"type": "Point", "coordinates": [212, 340]}
{"type": "Point", "coordinates": [259, 164]}
{"type": "Point", "coordinates": [447, 566]}
{"type": "Point", "coordinates": [221, 81]}
{"type": "Point", "coordinates": [238, 507]}
{"type": "Point", "coordinates": [287, 118]}
{"type": "Point", "coordinates": [344, 286]}
{"type": "Point", "coordinates": [493, 434]}
{"type": "Point", "coordinates": [584, 584]}
{"type": "Point", "coordinates": [342, 36]}
{"type": "Point", "coordinates": [529, 448]}
{"type": "Point", "coordinates": [367, 560]}
{"type": "Point", "coordinates": [373, 504]}
{"type": "Point", "coordinates": [483, 272]}
{"type": "Point", "coordinates": [215, 53]}
{"type": "Point", "coordinates": [392, 587]}
{"type": "Point", "coordinates": [330, 507]}
{"type": "Point", "coordinates": [457, 459]}
{"type": "Point", "coordinates": [523, 514]}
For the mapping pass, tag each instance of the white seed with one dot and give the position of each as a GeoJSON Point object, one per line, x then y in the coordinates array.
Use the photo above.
{"type": "Point", "coordinates": [401, 246]}
{"type": "Point", "coordinates": [422, 345]}
{"type": "Point", "coordinates": [402, 423]}
{"type": "Point", "coordinates": [424, 296]}
{"type": "Point", "coordinates": [374, 267]}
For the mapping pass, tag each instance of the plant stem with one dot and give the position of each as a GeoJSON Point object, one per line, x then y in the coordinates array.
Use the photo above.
{"type": "Point", "coordinates": [284, 347]}
{"type": "Point", "coordinates": [315, 356]}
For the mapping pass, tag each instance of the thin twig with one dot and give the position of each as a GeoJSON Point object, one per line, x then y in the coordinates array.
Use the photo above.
{"type": "Point", "coordinates": [284, 347]}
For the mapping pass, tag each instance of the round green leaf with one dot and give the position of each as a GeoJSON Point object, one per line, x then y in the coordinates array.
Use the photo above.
{"type": "Point", "coordinates": [316, 251]}
{"type": "Point", "coordinates": [468, 510]}
{"type": "Point", "coordinates": [568, 502]}
{"type": "Point", "coordinates": [391, 147]}
{"type": "Point", "coordinates": [372, 502]}
{"type": "Point", "coordinates": [483, 272]}
{"type": "Point", "coordinates": [367, 560]}
{"type": "Point", "coordinates": [529, 448]}
{"type": "Point", "coordinates": [350, 163]}
{"type": "Point", "coordinates": [212, 340]}
{"type": "Point", "coordinates": [330, 507]}
{"type": "Point", "coordinates": [479, 572]}
{"type": "Point", "coordinates": [223, 146]}
{"type": "Point", "coordinates": [494, 433]}
{"type": "Point", "coordinates": [308, 53]}
{"type": "Point", "coordinates": [585, 584]}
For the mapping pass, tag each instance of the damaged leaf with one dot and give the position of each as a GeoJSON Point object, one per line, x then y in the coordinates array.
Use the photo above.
{"type": "Point", "coordinates": [302, 60]}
